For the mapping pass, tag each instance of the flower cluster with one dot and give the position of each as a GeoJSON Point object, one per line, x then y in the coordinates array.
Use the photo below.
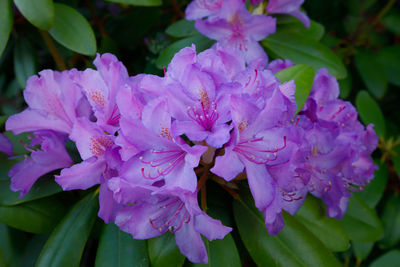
{"type": "Point", "coordinates": [231, 24]}
{"type": "Point", "coordinates": [143, 138]}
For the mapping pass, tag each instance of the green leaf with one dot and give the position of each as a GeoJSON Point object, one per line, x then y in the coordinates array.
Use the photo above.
{"type": "Point", "coordinates": [6, 22]}
{"type": "Point", "coordinates": [73, 31]}
{"type": "Point", "coordinates": [39, 216]}
{"type": "Point", "coordinates": [389, 259]}
{"type": "Point", "coordinates": [304, 51]}
{"type": "Point", "coordinates": [6, 247]}
{"type": "Point", "coordinates": [303, 77]}
{"type": "Point", "coordinates": [314, 32]}
{"type": "Point", "coordinates": [373, 193]}
{"type": "Point", "coordinates": [361, 222]}
{"type": "Point", "coordinates": [32, 250]}
{"type": "Point", "coordinates": [117, 248]}
{"type": "Point", "coordinates": [313, 217]}
{"type": "Point", "coordinates": [389, 57]}
{"type": "Point", "coordinates": [372, 73]}
{"type": "Point", "coordinates": [182, 28]}
{"type": "Point", "coordinates": [163, 251]}
{"type": "Point", "coordinates": [293, 246]}
{"type": "Point", "coordinates": [391, 222]}
{"type": "Point", "coordinates": [345, 86]}
{"type": "Point", "coordinates": [66, 243]}
{"type": "Point", "coordinates": [370, 112]}
{"type": "Point", "coordinates": [221, 252]}
{"type": "Point", "coordinates": [24, 61]}
{"type": "Point", "coordinates": [39, 12]}
{"type": "Point", "coordinates": [392, 22]}
{"type": "Point", "coordinates": [396, 160]}
{"type": "Point", "coordinates": [138, 2]}
{"type": "Point", "coordinates": [362, 250]}
{"type": "Point", "coordinates": [44, 187]}
{"type": "Point", "coordinates": [168, 53]}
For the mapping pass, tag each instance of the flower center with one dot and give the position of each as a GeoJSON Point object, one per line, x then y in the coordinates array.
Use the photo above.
{"type": "Point", "coordinates": [171, 215]}
{"type": "Point", "coordinates": [161, 163]}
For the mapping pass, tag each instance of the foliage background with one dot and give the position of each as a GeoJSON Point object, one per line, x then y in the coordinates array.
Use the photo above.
{"type": "Point", "coordinates": [61, 228]}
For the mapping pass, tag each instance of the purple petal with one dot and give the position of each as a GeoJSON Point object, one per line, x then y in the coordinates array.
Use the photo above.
{"type": "Point", "coordinates": [210, 228]}
{"type": "Point", "coordinates": [228, 166]}
{"type": "Point", "coordinates": [5, 145]}
{"type": "Point", "coordinates": [190, 243]}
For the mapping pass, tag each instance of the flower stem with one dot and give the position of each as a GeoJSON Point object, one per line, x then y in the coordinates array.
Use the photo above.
{"type": "Point", "coordinates": [53, 50]}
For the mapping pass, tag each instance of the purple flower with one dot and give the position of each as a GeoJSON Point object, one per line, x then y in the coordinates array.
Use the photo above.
{"type": "Point", "coordinates": [54, 101]}
{"type": "Point", "coordinates": [150, 211]}
{"type": "Point", "coordinates": [279, 64]}
{"type": "Point", "coordinates": [5, 145]}
{"type": "Point", "coordinates": [198, 9]}
{"type": "Point", "coordinates": [290, 7]}
{"type": "Point", "coordinates": [49, 157]}
{"type": "Point", "coordinates": [236, 27]}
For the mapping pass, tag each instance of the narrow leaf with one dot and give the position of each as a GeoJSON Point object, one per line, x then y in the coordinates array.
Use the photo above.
{"type": "Point", "coordinates": [362, 250]}
{"type": "Point", "coordinates": [24, 61]}
{"type": "Point", "coordinates": [6, 21]}
{"type": "Point", "coordinates": [388, 259]}
{"type": "Point", "coordinates": [293, 246]}
{"type": "Point", "coordinates": [39, 12]}
{"type": "Point", "coordinates": [372, 73]}
{"type": "Point", "coordinates": [6, 247]}
{"type": "Point", "coordinates": [370, 112]}
{"type": "Point", "coordinates": [391, 222]}
{"type": "Point", "coordinates": [72, 30]}
{"type": "Point", "coordinates": [117, 248]}
{"type": "Point", "coordinates": [304, 51]}
{"type": "Point", "coordinates": [163, 251]}
{"type": "Point", "coordinates": [361, 222]}
{"type": "Point", "coordinates": [66, 243]}
{"type": "Point", "coordinates": [138, 2]}
{"type": "Point", "coordinates": [39, 216]}
{"type": "Point", "coordinates": [181, 28]}
{"type": "Point", "coordinates": [292, 24]}
{"type": "Point", "coordinates": [303, 77]}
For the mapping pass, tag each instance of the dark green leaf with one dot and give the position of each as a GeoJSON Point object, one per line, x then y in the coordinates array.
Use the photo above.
{"type": "Point", "coordinates": [39, 12]}
{"type": "Point", "coordinates": [221, 252]}
{"type": "Point", "coordinates": [72, 30]}
{"type": "Point", "coordinates": [362, 250]}
{"type": "Point", "coordinates": [138, 2]}
{"type": "Point", "coordinates": [293, 246]}
{"type": "Point", "coordinates": [372, 194]}
{"type": "Point", "coordinates": [372, 73]}
{"type": "Point", "coordinates": [303, 77]}
{"type": "Point", "coordinates": [396, 160]}
{"type": "Point", "coordinates": [32, 250]}
{"type": "Point", "coordinates": [39, 216]}
{"type": "Point", "coordinates": [24, 61]}
{"type": "Point", "coordinates": [391, 222]}
{"type": "Point", "coordinates": [164, 252]}
{"type": "Point", "coordinates": [182, 28]}
{"type": "Point", "coordinates": [361, 222]}
{"type": "Point", "coordinates": [304, 51]}
{"type": "Point", "coordinates": [392, 22]}
{"type": "Point", "coordinates": [117, 248]}
{"type": "Point", "coordinates": [370, 112]}
{"type": "Point", "coordinates": [389, 259]}
{"type": "Point", "coordinates": [6, 21]}
{"type": "Point", "coordinates": [314, 32]}
{"type": "Point", "coordinates": [6, 247]}
{"type": "Point", "coordinates": [66, 243]}
{"type": "Point", "coordinates": [313, 217]}
{"type": "Point", "coordinates": [44, 187]}
{"type": "Point", "coordinates": [389, 57]}
{"type": "Point", "coordinates": [345, 86]}
{"type": "Point", "coordinates": [168, 53]}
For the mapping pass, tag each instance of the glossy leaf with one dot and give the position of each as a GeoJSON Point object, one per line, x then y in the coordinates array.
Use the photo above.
{"type": "Point", "coordinates": [72, 30]}
{"type": "Point", "coordinates": [294, 246]}
{"type": "Point", "coordinates": [370, 112]}
{"type": "Point", "coordinates": [388, 259]}
{"type": "Point", "coordinates": [6, 22]}
{"type": "Point", "coordinates": [391, 222]}
{"type": "Point", "coordinates": [389, 58]}
{"type": "Point", "coordinates": [362, 250]}
{"type": "Point", "coordinates": [163, 251]}
{"type": "Point", "coordinates": [32, 250]}
{"type": "Point", "coordinates": [24, 61]}
{"type": "Point", "coordinates": [372, 73]}
{"type": "Point", "coordinates": [168, 53]}
{"type": "Point", "coordinates": [38, 12]}
{"type": "Point", "coordinates": [117, 248]}
{"type": "Point", "coordinates": [304, 51]}
{"type": "Point", "coordinates": [66, 243]}
{"type": "Point", "coordinates": [181, 28]}
{"type": "Point", "coordinates": [373, 193]}
{"type": "Point", "coordinates": [313, 217]}
{"type": "Point", "coordinates": [39, 216]}
{"type": "Point", "coordinates": [44, 187]}
{"type": "Point", "coordinates": [221, 252]}
{"type": "Point", "coordinates": [138, 2]}
{"type": "Point", "coordinates": [303, 77]}
{"type": "Point", "coordinates": [360, 222]}
{"type": "Point", "coordinates": [292, 24]}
